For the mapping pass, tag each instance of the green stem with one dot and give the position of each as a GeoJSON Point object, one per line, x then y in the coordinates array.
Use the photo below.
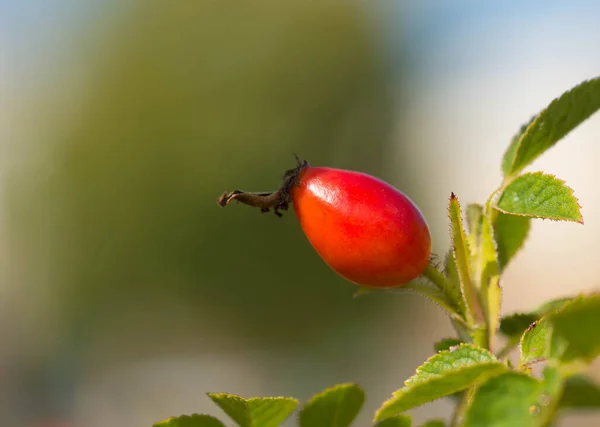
{"type": "Point", "coordinates": [436, 277]}
{"type": "Point", "coordinates": [481, 337]}
{"type": "Point", "coordinates": [462, 330]}
{"type": "Point", "coordinates": [461, 407]}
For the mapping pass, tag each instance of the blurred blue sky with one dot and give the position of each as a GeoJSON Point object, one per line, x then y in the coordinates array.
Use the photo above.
{"type": "Point", "coordinates": [38, 35]}
{"type": "Point", "coordinates": [453, 37]}
{"type": "Point", "coordinates": [441, 37]}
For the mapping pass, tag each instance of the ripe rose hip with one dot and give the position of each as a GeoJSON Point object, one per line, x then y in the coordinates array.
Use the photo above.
{"type": "Point", "coordinates": [366, 230]}
{"type": "Point", "coordinates": [363, 228]}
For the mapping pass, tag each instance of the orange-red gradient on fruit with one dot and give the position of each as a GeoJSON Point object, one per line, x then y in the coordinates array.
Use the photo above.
{"type": "Point", "coordinates": [364, 229]}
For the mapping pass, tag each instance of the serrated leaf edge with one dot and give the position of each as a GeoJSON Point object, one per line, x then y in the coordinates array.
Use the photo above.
{"type": "Point", "coordinates": [516, 139]}
{"type": "Point", "coordinates": [487, 220]}
{"type": "Point", "coordinates": [214, 396]}
{"type": "Point", "coordinates": [408, 383]}
{"type": "Point", "coordinates": [322, 394]}
{"type": "Point", "coordinates": [561, 181]}
{"type": "Point", "coordinates": [331, 389]}
{"type": "Point", "coordinates": [439, 355]}
{"type": "Point", "coordinates": [470, 310]}
{"type": "Point", "coordinates": [534, 121]}
{"type": "Point", "coordinates": [222, 393]}
{"type": "Point", "coordinates": [548, 341]}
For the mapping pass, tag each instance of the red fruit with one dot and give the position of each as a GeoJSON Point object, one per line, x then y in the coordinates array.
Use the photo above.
{"type": "Point", "coordinates": [364, 229]}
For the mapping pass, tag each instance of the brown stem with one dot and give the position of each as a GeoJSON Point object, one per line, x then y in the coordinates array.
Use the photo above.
{"type": "Point", "coordinates": [276, 200]}
{"type": "Point", "coordinates": [265, 201]}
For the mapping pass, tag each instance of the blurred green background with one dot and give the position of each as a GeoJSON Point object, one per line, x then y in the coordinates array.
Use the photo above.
{"type": "Point", "coordinates": [127, 293]}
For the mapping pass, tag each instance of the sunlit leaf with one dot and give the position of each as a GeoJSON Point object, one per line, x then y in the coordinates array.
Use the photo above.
{"type": "Point", "coordinates": [462, 259]}
{"type": "Point", "coordinates": [335, 407]}
{"type": "Point", "coordinates": [474, 224]}
{"type": "Point", "coordinates": [514, 325]}
{"type": "Point", "coordinates": [489, 278]}
{"type": "Point", "coordinates": [514, 399]}
{"type": "Point", "coordinates": [441, 375]}
{"type": "Point", "coordinates": [551, 125]}
{"type": "Point", "coordinates": [509, 155]}
{"type": "Point", "coordinates": [195, 420]}
{"type": "Point", "coordinates": [539, 195]}
{"type": "Point", "coordinates": [397, 421]}
{"type": "Point", "coordinates": [257, 411]}
{"type": "Point", "coordinates": [474, 212]}
{"type": "Point", "coordinates": [453, 290]}
{"type": "Point", "coordinates": [434, 423]}
{"type": "Point", "coordinates": [451, 272]}
{"type": "Point", "coordinates": [510, 232]}
{"type": "Point", "coordinates": [535, 342]}
{"type": "Point", "coordinates": [553, 305]}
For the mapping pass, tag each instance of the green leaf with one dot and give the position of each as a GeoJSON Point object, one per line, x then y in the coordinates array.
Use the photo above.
{"type": "Point", "coordinates": [510, 232]}
{"type": "Point", "coordinates": [257, 411]}
{"type": "Point", "coordinates": [453, 289]}
{"type": "Point", "coordinates": [474, 224]}
{"type": "Point", "coordinates": [397, 421]}
{"type": "Point", "coordinates": [451, 273]}
{"type": "Point", "coordinates": [513, 399]}
{"type": "Point", "coordinates": [535, 342]}
{"type": "Point", "coordinates": [539, 195]}
{"type": "Point", "coordinates": [552, 305]}
{"type": "Point", "coordinates": [514, 325]}
{"type": "Point", "coordinates": [441, 375]}
{"type": "Point", "coordinates": [489, 278]}
{"type": "Point", "coordinates": [553, 386]}
{"type": "Point", "coordinates": [575, 326]}
{"type": "Point", "coordinates": [448, 286]}
{"type": "Point", "coordinates": [462, 258]}
{"type": "Point", "coordinates": [474, 213]}
{"type": "Point", "coordinates": [195, 420]}
{"type": "Point", "coordinates": [335, 407]}
{"type": "Point", "coordinates": [446, 343]}
{"type": "Point", "coordinates": [434, 423]}
{"type": "Point", "coordinates": [580, 393]}
{"type": "Point", "coordinates": [551, 125]}
{"type": "Point", "coordinates": [509, 156]}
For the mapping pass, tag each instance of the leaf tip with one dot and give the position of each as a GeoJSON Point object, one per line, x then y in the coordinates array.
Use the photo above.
{"type": "Point", "coordinates": [381, 413]}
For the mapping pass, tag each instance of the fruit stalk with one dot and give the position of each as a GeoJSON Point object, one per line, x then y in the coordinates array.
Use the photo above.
{"type": "Point", "coordinates": [276, 200]}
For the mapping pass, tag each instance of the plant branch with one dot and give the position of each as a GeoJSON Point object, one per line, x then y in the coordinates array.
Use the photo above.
{"type": "Point", "coordinates": [461, 408]}
{"type": "Point", "coordinates": [436, 277]}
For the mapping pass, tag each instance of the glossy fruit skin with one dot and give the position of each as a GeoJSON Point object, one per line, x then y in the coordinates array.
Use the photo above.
{"type": "Point", "coordinates": [366, 230]}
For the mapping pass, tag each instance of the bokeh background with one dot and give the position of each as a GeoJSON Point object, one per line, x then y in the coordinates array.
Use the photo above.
{"type": "Point", "coordinates": [126, 294]}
